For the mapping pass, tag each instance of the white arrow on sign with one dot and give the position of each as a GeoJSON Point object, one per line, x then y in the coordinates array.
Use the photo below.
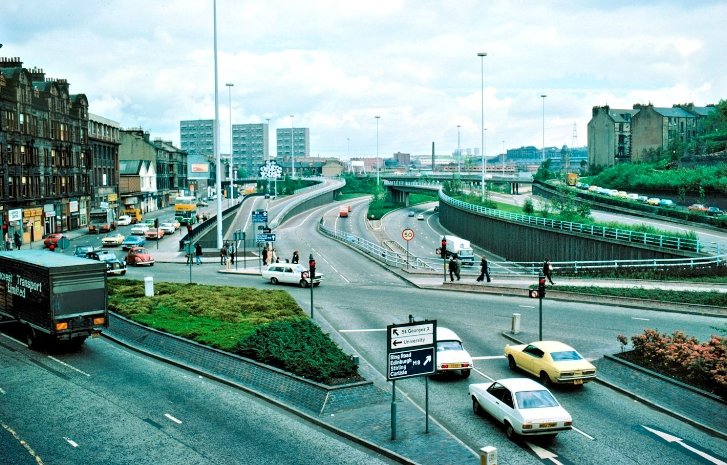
{"type": "Point", "coordinates": [670, 438]}
{"type": "Point", "coordinates": [544, 453]}
{"type": "Point", "coordinates": [427, 360]}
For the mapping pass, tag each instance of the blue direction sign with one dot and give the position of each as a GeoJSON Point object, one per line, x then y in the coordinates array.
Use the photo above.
{"type": "Point", "coordinates": [413, 362]}
{"type": "Point", "coordinates": [260, 216]}
{"type": "Point", "coordinates": [265, 238]}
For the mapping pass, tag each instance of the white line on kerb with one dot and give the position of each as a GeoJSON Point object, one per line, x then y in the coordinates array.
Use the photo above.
{"type": "Point", "coordinates": [362, 330]}
{"type": "Point", "coordinates": [68, 366]}
{"type": "Point", "coordinates": [175, 420]}
{"type": "Point", "coordinates": [71, 441]}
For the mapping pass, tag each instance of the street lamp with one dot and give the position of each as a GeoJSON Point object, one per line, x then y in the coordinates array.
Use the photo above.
{"type": "Point", "coordinates": [218, 170]}
{"type": "Point", "coordinates": [543, 97]}
{"type": "Point", "coordinates": [265, 148]}
{"type": "Point", "coordinates": [482, 56]}
{"type": "Point", "coordinates": [232, 181]}
{"type": "Point", "coordinates": [378, 168]}
{"type": "Point", "coordinates": [292, 154]}
{"type": "Point", "coordinates": [459, 153]}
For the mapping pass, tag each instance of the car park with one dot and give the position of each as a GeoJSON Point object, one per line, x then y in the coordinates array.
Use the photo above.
{"type": "Point", "coordinates": [114, 266]}
{"type": "Point", "coordinates": [112, 240]}
{"type": "Point", "coordinates": [124, 220]}
{"type": "Point", "coordinates": [522, 405]}
{"type": "Point", "coordinates": [139, 229]}
{"type": "Point", "coordinates": [168, 228]}
{"type": "Point", "coordinates": [52, 239]}
{"type": "Point", "coordinates": [133, 241]}
{"type": "Point", "coordinates": [154, 233]}
{"type": "Point", "coordinates": [551, 361]}
{"type": "Point", "coordinates": [139, 256]}
{"type": "Point", "coordinates": [451, 354]}
{"type": "Point", "coordinates": [290, 273]}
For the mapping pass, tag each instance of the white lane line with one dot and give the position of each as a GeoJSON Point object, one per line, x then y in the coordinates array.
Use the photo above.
{"type": "Point", "coordinates": [482, 374]}
{"type": "Point", "coordinates": [175, 420]}
{"type": "Point", "coordinates": [584, 434]}
{"type": "Point", "coordinates": [71, 442]}
{"type": "Point", "coordinates": [15, 340]}
{"type": "Point", "coordinates": [23, 443]}
{"type": "Point", "coordinates": [2, 391]}
{"type": "Point", "coordinates": [526, 306]}
{"type": "Point", "coordinates": [361, 330]}
{"type": "Point", "coordinates": [640, 319]}
{"type": "Point", "coordinates": [68, 366]}
{"type": "Point", "coordinates": [488, 357]}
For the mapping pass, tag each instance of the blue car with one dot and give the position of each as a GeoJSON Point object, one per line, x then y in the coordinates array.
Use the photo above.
{"type": "Point", "coordinates": [133, 241]}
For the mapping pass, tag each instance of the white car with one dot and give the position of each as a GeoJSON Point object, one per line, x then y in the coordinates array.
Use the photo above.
{"type": "Point", "coordinates": [291, 273]}
{"type": "Point", "coordinates": [168, 228]}
{"type": "Point", "coordinates": [139, 229]}
{"type": "Point", "coordinates": [124, 220]}
{"type": "Point", "coordinates": [451, 356]}
{"type": "Point", "coordinates": [522, 405]}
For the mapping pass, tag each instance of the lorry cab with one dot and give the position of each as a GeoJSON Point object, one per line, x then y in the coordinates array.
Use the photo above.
{"type": "Point", "coordinates": [134, 213]}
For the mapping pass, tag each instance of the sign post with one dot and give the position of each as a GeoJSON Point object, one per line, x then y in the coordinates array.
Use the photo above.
{"type": "Point", "coordinates": [407, 234]}
{"type": "Point", "coordinates": [411, 351]}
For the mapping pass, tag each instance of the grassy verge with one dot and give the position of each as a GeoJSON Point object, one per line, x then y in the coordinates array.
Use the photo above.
{"type": "Point", "coordinates": [380, 207]}
{"type": "Point", "coordinates": [715, 299]}
{"type": "Point", "coordinates": [266, 325]}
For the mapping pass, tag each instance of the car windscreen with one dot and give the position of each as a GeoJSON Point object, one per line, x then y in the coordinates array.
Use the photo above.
{"type": "Point", "coordinates": [565, 355]}
{"type": "Point", "coordinates": [535, 399]}
{"type": "Point", "coordinates": [448, 345]}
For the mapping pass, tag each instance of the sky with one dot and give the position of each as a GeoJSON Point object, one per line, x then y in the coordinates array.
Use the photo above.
{"type": "Point", "coordinates": [336, 65]}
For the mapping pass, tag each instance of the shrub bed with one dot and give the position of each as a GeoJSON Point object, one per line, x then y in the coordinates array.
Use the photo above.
{"type": "Point", "coordinates": [682, 357]}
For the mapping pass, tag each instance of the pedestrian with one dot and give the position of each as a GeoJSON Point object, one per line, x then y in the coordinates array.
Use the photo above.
{"type": "Point", "coordinates": [548, 270]}
{"type": "Point", "coordinates": [8, 244]}
{"type": "Point", "coordinates": [484, 270]}
{"type": "Point", "coordinates": [18, 242]}
{"type": "Point", "coordinates": [223, 254]}
{"type": "Point", "coordinates": [198, 253]}
{"type": "Point", "coordinates": [189, 230]}
{"type": "Point", "coordinates": [296, 257]}
{"type": "Point", "coordinates": [454, 267]}
{"type": "Point", "coordinates": [231, 252]}
{"type": "Point", "coordinates": [265, 255]}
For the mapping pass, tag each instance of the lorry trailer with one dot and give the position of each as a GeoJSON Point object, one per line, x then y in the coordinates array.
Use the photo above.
{"type": "Point", "coordinates": [460, 247]}
{"type": "Point", "coordinates": [54, 297]}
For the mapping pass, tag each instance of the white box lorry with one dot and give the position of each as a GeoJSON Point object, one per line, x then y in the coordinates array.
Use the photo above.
{"type": "Point", "coordinates": [461, 247]}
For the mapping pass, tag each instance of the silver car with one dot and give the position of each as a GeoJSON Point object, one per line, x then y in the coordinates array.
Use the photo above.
{"type": "Point", "coordinates": [290, 273]}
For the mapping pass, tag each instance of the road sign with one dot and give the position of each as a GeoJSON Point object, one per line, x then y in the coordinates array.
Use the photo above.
{"type": "Point", "coordinates": [534, 294]}
{"type": "Point", "coordinates": [408, 363]}
{"type": "Point", "coordinates": [411, 349]}
{"type": "Point", "coordinates": [267, 230]}
{"type": "Point", "coordinates": [260, 216]}
{"type": "Point", "coordinates": [407, 234]}
{"type": "Point", "coordinates": [265, 238]}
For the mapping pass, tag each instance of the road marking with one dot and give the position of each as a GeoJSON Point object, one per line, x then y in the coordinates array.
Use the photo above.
{"type": "Point", "coordinates": [482, 374]}
{"type": "Point", "coordinates": [584, 434]}
{"type": "Point", "coordinates": [544, 453]}
{"type": "Point", "coordinates": [526, 306]}
{"type": "Point", "coordinates": [23, 443]}
{"type": "Point", "coordinates": [71, 441]}
{"type": "Point", "coordinates": [488, 357]}
{"type": "Point", "coordinates": [68, 366]}
{"type": "Point", "coordinates": [674, 439]}
{"type": "Point", "coordinates": [640, 319]}
{"type": "Point", "coordinates": [361, 330]}
{"type": "Point", "coordinates": [2, 391]}
{"type": "Point", "coordinates": [175, 420]}
{"type": "Point", "coordinates": [15, 340]}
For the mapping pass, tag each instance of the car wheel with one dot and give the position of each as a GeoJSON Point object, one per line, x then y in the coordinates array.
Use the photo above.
{"type": "Point", "coordinates": [316, 284]}
{"type": "Point", "coordinates": [466, 373]}
{"type": "Point", "coordinates": [511, 362]}
{"type": "Point", "coordinates": [544, 379]}
{"type": "Point", "coordinates": [123, 273]}
{"type": "Point", "coordinates": [274, 280]}
{"type": "Point", "coordinates": [303, 283]}
{"type": "Point", "coordinates": [476, 406]}
{"type": "Point", "coordinates": [510, 431]}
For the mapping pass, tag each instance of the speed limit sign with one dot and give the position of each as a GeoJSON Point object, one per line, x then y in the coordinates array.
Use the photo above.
{"type": "Point", "coordinates": [407, 234]}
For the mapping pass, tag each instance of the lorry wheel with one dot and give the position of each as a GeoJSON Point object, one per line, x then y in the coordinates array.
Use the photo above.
{"type": "Point", "coordinates": [32, 338]}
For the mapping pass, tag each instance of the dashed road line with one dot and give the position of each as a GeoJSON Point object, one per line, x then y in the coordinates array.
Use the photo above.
{"type": "Point", "coordinates": [584, 434]}
{"type": "Point", "coordinates": [175, 420]}
{"type": "Point", "coordinates": [71, 442]}
{"type": "Point", "coordinates": [69, 366]}
{"type": "Point", "coordinates": [23, 443]}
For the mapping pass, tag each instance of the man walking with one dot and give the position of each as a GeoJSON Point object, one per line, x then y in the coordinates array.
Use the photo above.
{"type": "Point", "coordinates": [484, 270]}
{"type": "Point", "coordinates": [454, 268]}
{"type": "Point", "coordinates": [548, 271]}
{"type": "Point", "coordinates": [198, 253]}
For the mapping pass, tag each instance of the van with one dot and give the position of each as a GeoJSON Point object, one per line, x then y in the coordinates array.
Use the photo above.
{"type": "Point", "coordinates": [134, 213]}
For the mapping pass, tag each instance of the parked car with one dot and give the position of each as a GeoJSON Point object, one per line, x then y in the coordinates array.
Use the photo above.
{"type": "Point", "coordinates": [114, 266]}
{"type": "Point", "coordinates": [154, 233]}
{"type": "Point", "coordinates": [139, 229]}
{"type": "Point", "coordinates": [522, 405]}
{"type": "Point", "coordinates": [667, 203]}
{"type": "Point", "coordinates": [714, 211]}
{"type": "Point", "coordinates": [112, 240]}
{"type": "Point", "coordinates": [124, 220]}
{"type": "Point", "coordinates": [653, 201]}
{"type": "Point", "coordinates": [139, 256]}
{"type": "Point", "coordinates": [632, 196]}
{"type": "Point", "coordinates": [551, 362]}
{"type": "Point", "coordinates": [133, 241]}
{"type": "Point", "coordinates": [168, 228]}
{"type": "Point", "coordinates": [451, 355]}
{"type": "Point", "coordinates": [642, 198]}
{"type": "Point", "coordinates": [52, 239]}
{"type": "Point", "coordinates": [290, 273]}
{"type": "Point", "coordinates": [82, 250]}
{"type": "Point", "coordinates": [697, 207]}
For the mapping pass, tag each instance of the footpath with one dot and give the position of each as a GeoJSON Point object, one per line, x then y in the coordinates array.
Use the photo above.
{"type": "Point", "coordinates": [369, 424]}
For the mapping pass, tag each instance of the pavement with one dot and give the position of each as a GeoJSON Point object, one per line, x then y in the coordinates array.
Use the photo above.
{"type": "Point", "coordinates": [370, 424]}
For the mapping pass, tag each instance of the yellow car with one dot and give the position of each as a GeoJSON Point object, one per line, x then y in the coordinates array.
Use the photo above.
{"type": "Point", "coordinates": [112, 240]}
{"type": "Point", "coordinates": [551, 361]}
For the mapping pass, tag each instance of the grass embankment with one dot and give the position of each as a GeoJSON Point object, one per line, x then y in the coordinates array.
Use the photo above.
{"type": "Point", "coordinates": [380, 207]}
{"type": "Point", "coordinates": [715, 299]}
{"type": "Point", "coordinates": [267, 326]}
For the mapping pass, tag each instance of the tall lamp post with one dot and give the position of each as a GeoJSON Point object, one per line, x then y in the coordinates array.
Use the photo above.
{"type": "Point", "coordinates": [292, 151]}
{"type": "Point", "coordinates": [459, 154]}
{"type": "Point", "coordinates": [218, 169]}
{"type": "Point", "coordinates": [378, 167]}
{"type": "Point", "coordinates": [543, 97]}
{"type": "Point", "coordinates": [265, 150]}
{"type": "Point", "coordinates": [482, 56]}
{"type": "Point", "coordinates": [232, 180]}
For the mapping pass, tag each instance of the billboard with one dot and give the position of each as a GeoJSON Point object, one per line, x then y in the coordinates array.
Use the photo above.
{"type": "Point", "coordinates": [199, 168]}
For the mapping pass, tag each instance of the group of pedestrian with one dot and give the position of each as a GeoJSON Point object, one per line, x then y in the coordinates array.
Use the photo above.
{"type": "Point", "coordinates": [270, 256]}
{"type": "Point", "coordinates": [17, 241]}
{"type": "Point", "coordinates": [454, 270]}
{"type": "Point", "coordinates": [197, 254]}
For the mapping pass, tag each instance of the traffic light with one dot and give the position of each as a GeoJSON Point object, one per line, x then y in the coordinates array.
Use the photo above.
{"type": "Point", "coordinates": [156, 222]}
{"type": "Point", "coordinates": [312, 267]}
{"type": "Point", "coordinates": [5, 228]}
{"type": "Point", "coordinates": [541, 286]}
{"type": "Point", "coordinates": [444, 248]}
